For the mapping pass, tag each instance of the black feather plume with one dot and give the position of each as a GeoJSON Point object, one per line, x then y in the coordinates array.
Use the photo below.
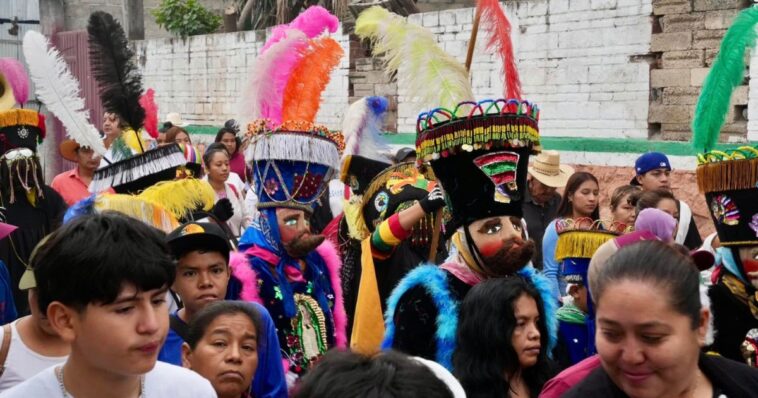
{"type": "Point", "coordinates": [112, 64]}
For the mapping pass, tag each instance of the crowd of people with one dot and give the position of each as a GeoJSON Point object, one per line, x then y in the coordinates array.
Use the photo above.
{"type": "Point", "coordinates": [286, 259]}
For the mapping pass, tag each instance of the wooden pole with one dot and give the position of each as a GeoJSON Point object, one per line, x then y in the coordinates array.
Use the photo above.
{"type": "Point", "coordinates": [469, 60]}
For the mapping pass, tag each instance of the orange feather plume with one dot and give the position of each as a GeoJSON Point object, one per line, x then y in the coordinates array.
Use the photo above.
{"type": "Point", "coordinates": [309, 78]}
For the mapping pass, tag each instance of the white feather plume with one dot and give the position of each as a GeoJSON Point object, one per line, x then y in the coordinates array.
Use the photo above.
{"type": "Point", "coordinates": [58, 89]}
{"type": "Point", "coordinates": [362, 128]}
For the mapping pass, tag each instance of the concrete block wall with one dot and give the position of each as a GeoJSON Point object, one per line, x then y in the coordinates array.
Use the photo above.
{"type": "Point", "coordinates": [582, 61]}
{"type": "Point", "coordinates": [203, 77]}
{"type": "Point", "coordinates": [686, 42]}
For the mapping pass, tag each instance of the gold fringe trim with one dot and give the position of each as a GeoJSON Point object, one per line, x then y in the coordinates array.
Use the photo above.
{"type": "Point", "coordinates": [15, 117]}
{"type": "Point", "coordinates": [345, 168]}
{"type": "Point", "coordinates": [580, 244]}
{"type": "Point", "coordinates": [727, 175]}
{"type": "Point", "coordinates": [181, 197]}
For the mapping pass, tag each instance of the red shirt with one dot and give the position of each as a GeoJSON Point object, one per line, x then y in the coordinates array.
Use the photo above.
{"type": "Point", "coordinates": [71, 187]}
{"type": "Point", "coordinates": [570, 377]}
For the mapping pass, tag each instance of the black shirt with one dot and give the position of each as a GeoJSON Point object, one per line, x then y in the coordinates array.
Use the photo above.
{"type": "Point", "coordinates": [537, 219]}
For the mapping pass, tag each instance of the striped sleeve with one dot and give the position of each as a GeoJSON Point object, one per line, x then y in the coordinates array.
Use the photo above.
{"type": "Point", "coordinates": [386, 237]}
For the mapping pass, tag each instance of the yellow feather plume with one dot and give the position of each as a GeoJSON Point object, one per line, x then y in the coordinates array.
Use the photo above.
{"type": "Point", "coordinates": [430, 74]}
{"type": "Point", "coordinates": [139, 209]}
{"type": "Point", "coordinates": [181, 197]}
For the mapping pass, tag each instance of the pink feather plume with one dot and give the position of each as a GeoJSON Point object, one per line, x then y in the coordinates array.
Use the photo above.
{"type": "Point", "coordinates": [147, 102]}
{"type": "Point", "coordinates": [493, 19]}
{"type": "Point", "coordinates": [264, 93]}
{"type": "Point", "coordinates": [313, 22]}
{"type": "Point", "coordinates": [15, 74]}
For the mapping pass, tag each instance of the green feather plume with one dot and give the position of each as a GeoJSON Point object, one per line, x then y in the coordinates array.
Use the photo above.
{"type": "Point", "coordinates": [411, 52]}
{"type": "Point", "coordinates": [726, 74]}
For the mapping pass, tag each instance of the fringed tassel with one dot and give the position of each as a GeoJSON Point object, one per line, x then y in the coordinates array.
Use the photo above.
{"type": "Point", "coordinates": [132, 169]}
{"type": "Point", "coordinates": [298, 147]}
{"type": "Point", "coordinates": [356, 225]}
{"type": "Point", "coordinates": [579, 244]}
{"type": "Point", "coordinates": [727, 175]}
{"type": "Point", "coordinates": [17, 117]}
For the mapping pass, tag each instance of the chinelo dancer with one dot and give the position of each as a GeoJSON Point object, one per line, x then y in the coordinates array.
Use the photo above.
{"type": "Point", "coordinates": [479, 152]}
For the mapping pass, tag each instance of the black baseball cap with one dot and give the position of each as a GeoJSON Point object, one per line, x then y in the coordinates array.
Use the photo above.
{"type": "Point", "coordinates": [198, 236]}
{"type": "Point", "coordinates": [404, 153]}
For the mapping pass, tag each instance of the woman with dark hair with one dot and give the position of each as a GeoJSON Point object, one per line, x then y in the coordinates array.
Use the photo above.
{"type": "Point", "coordinates": [650, 330]}
{"type": "Point", "coordinates": [176, 134]}
{"type": "Point", "coordinates": [228, 137]}
{"type": "Point", "coordinates": [502, 339]}
{"type": "Point", "coordinates": [581, 199]}
{"type": "Point", "coordinates": [222, 346]}
{"type": "Point", "coordinates": [216, 160]}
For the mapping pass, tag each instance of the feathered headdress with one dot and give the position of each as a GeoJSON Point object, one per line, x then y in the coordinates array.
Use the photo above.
{"type": "Point", "coordinates": [364, 155]}
{"type": "Point", "coordinates": [132, 206]}
{"type": "Point", "coordinates": [112, 64]}
{"type": "Point", "coordinates": [58, 89]}
{"type": "Point", "coordinates": [264, 94]}
{"type": "Point", "coordinates": [283, 98]}
{"type": "Point", "coordinates": [147, 102]}
{"type": "Point", "coordinates": [14, 74]}
{"type": "Point", "coordinates": [729, 178]}
{"type": "Point", "coordinates": [120, 90]}
{"type": "Point", "coordinates": [479, 150]}
{"type": "Point", "coordinates": [412, 53]}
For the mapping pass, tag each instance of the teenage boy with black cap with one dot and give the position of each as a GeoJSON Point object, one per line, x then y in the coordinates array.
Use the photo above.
{"type": "Point", "coordinates": [653, 171]}
{"type": "Point", "coordinates": [106, 297]}
{"type": "Point", "coordinates": [201, 251]}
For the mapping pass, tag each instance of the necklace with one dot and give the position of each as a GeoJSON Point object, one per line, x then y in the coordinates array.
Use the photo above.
{"type": "Point", "coordinates": [59, 375]}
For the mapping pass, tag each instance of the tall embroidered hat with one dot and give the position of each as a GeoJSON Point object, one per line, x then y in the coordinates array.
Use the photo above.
{"type": "Point", "coordinates": [479, 150]}
{"type": "Point", "coordinates": [578, 240]}
{"type": "Point", "coordinates": [727, 177]}
{"type": "Point", "coordinates": [19, 128]}
{"type": "Point", "coordinates": [293, 158]}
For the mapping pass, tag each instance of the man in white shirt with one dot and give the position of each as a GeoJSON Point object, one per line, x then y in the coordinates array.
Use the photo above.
{"type": "Point", "coordinates": [106, 297]}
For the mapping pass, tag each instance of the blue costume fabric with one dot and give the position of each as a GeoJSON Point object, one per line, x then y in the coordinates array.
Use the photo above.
{"type": "Point", "coordinates": [268, 381]}
{"type": "Point", "coordinates": [7, 306]}
{"type": "Point", "coordinates": [435, 283]}
{"type": "Point", "coordinates": [277, 292]}
{"type": "Point", "coordinates": [550, 267]}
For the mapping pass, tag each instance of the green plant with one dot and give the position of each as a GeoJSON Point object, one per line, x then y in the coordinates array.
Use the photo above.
{"type": "Point", "coordinates": [185, 18]}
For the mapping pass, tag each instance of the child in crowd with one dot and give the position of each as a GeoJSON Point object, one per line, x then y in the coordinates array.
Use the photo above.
{"type": "Point", "coordinates": [201, 251]}
{"type": "Point", "coordinates": [106, 297]}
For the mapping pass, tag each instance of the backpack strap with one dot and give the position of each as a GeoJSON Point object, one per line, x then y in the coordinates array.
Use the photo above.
{"type": "Point", "coordinates": [5, 347]}
{"type": "Point", "coordinates": [178, 326]}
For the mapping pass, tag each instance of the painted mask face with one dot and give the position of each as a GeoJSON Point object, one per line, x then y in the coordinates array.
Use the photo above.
{"type": "Point", "coordinates": [749, 258]}
{"type": "Point", "coordinates": [501, 244]}
{"type": "Point", "coordinates": [295, 232]}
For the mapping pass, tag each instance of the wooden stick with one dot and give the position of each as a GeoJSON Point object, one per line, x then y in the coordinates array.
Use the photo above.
{"type": "Point", "coordinates": [469, 59]}
{"type": "Point", "coordinates": [472, 40]}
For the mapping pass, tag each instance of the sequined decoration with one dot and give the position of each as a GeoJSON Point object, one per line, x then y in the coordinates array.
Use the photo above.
{"type": "Point", "coordinates": [501, 168]}
{"type": "Point", "coordinates": [308, 340]}
{"type": "Point", "coordinates": [725, 211]}
{"type": "Point", "coordinates": [754, 224]}
{"type": "Point", "coordinates": [23, 132]}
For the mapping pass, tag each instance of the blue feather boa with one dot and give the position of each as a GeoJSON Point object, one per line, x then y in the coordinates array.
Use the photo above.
{"type": "Point", "coordinates": [434, 280]}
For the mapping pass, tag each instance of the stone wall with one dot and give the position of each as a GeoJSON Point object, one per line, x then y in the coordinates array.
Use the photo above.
{"type": "Point", "coordinates": [582, 61]}
{"type": "Point", "coordinates": [687, 39]}
{"type": "Point", "coordinates": [204, 76]}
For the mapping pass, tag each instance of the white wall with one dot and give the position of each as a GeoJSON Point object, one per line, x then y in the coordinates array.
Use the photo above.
{"type": "Point", "coordinates": [574, 62]}
{"type": "Point", "coordinates": [203, 77]}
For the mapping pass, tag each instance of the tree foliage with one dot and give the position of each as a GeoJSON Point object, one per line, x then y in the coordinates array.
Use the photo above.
{"type": "Point", "coordinates": [185, 18]}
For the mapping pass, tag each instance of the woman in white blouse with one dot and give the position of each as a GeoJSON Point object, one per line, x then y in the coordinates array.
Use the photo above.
{"type": "Point", "coordinates": [217, 169]}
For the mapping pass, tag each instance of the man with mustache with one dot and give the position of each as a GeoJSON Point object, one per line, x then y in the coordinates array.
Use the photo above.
{"type": "Point", "coordinates": [485, 186]}
{"type": "Point", "coordinates": [285, 267]}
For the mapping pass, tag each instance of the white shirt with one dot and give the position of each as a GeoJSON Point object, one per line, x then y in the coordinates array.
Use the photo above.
{"type": "Point", "coordinates": [165, 380]}
{"type": "Point", "coordinates": [22, 363]}
{"type": "Point", "coordinates": [235, 180]}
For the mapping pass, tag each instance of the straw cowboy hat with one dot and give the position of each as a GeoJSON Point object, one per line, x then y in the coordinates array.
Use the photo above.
{"type": "Point", "coordinates": [547, 169]}
{"type": "Point", "coordinates": [176, 120]}
{"type": "Point", "coordinates": [68, 149]}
